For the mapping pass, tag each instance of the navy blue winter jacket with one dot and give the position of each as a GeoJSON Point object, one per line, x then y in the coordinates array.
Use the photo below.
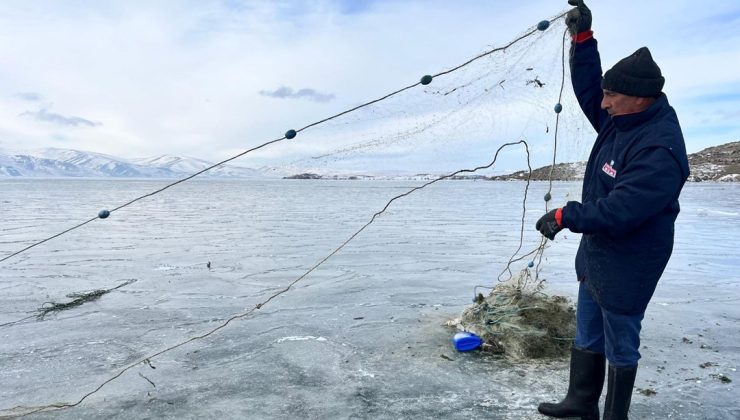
{"type": "Point", "coordinates": [633, 178]}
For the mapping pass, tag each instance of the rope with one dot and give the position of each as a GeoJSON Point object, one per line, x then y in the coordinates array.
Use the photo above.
{"type": "Point", "coordinates": [521, 233]}
{"type": "Point", "coordinates": [382, 98]}
{"type": "Point", "coordinates": [47, 239]}
{"type": "Point", "coordinates": [557, 117]}
{"type": "Point", "coordinates": [32, 410]}
{"type": "Point", "coordinates": [543, 240]}
{"type": "Point", "coordinates": [22, 411]}
{"type": "Point", "coordinates": [540, 249]}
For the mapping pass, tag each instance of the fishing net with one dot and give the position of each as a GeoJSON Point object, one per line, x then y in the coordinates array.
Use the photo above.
{"type": "Point", "coordinates": [508, 109]}
{"type": "Point", "coordinates": [518, 320]}
{"type": "Point", "coordinates": [460, 119]}
{"type": "Point", "coordinates": [464, 117]}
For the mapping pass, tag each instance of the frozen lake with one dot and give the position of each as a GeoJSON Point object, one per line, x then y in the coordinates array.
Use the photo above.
{"type": "Point", "coordinates": [360, 337]}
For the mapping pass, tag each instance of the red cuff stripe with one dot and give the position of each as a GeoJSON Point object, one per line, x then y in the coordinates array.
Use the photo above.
{"type": "Point", "coordinates": [559, 216]}
{"type": "Point", "coordinates": [583, 36]}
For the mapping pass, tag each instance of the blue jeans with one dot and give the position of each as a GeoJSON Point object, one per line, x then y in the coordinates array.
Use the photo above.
{"type": "Point", "coordinates": [602, 331]}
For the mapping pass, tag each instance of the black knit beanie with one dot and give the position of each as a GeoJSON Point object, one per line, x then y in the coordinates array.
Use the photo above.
{"type": "Point", "coordinates": [636, 75]}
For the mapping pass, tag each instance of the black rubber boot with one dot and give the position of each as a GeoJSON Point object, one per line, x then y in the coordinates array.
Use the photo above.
{"type": "Point", "coordinates": [586, 381]}
{"type": "Point", "coordinates": [619, 392]}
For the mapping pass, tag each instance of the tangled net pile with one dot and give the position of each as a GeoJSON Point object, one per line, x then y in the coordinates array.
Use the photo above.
{"type": "Point", "coordinates": [507, 96]}
{"type": "Point", "coordinates": [518, 320]}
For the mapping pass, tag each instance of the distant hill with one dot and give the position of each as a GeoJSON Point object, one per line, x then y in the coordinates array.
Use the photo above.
{"type": "Point", "coordinates": [304, 176]}
{"type": "Point", "coordinates": [63, 163]}
{"type": "Point", "coordinates": [572, 171]}
{"type": "Point", "coordinates": [718, 163]}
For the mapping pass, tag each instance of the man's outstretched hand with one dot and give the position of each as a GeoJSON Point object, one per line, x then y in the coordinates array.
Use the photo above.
{"type": "Point", "coordinates": [550, 224]}
{"type": "Point", "coordinates": [579, 17]}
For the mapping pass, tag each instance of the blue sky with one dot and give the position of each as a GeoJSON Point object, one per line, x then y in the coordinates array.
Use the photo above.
{"type": "Point", "coordinates": [109, 76]}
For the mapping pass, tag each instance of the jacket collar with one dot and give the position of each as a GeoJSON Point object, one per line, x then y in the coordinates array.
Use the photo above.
{"type": "Point", "coordinates": [630, 121]}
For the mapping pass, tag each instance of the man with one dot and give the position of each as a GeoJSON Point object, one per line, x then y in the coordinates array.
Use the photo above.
{"type": "Point", "coordinates": [633, 178]}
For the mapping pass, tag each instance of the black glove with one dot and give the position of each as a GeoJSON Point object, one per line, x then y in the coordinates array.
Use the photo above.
{"type": "Point", "coordinates": [548, 224]}
{"type": "Point", "coordinates": [579, 17]}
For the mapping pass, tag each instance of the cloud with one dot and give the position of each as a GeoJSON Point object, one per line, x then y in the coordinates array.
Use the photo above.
{"type": "Point", "coordinates": [29, 96]}
{"type": "Point", "coordinates": [350, 7]}
{"type": "Point", "coordinates": [44, 115]}
{"type": "Point", "coordinates": [284, 92]}
{"type": "Point", "coordinates": [714, 97]}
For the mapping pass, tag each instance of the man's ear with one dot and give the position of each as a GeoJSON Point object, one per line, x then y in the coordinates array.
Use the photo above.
{"type": "Point", "coordinates": [643, 102]}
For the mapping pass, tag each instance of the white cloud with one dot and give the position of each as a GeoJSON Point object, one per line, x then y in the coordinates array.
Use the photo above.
{"type": "Point", "coordinates": [51, 117]}
{"type": "Point", "coordinates": [285, 92]}
{"type": "Point", "coordinates": [29, 96]}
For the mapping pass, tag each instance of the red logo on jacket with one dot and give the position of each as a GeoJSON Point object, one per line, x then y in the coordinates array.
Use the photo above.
{"type": "Point", "coordinates": [609, 170]}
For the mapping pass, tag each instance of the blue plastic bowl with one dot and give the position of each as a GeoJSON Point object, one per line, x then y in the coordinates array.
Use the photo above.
{"type": "Point", "coordinates": [465, 341]}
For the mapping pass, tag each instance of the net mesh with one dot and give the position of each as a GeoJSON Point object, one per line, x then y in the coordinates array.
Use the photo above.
{"type": "Point", "coordinates": [518, 320]}
{"type": "Point", "coordinates": [457, 121]}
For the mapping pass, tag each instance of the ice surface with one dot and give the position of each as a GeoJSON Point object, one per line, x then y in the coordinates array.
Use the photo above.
{"type": "Point", "coordinates": [362, 336]}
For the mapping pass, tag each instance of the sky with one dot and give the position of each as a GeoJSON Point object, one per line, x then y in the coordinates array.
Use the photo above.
{"type": "Point", "coordinates": [209, 79]}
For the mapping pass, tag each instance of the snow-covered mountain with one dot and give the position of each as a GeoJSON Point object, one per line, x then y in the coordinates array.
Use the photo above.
{"type": "Point", "coordinates": [719, 163]}
{"type": "Point", "coordinates": [186, 165]}
{"type": "Point", "coordinates": [55, 163]}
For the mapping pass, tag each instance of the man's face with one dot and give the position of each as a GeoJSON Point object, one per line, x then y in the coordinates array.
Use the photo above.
{"type": "Point", "coordinates": [618, 104]}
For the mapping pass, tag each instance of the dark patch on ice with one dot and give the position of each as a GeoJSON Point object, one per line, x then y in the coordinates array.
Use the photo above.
{"type": "Point", "coordinates": [722, 378]}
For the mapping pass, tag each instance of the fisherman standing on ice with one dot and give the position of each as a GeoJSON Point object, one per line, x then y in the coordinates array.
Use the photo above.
{"type": "Point", "coordinates": [633, 178]}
